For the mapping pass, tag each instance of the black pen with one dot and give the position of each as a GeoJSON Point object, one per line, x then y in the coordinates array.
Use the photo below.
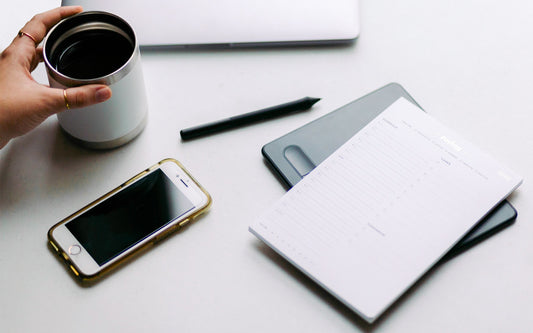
{"type": "Point", "coordinates": [248, 118]}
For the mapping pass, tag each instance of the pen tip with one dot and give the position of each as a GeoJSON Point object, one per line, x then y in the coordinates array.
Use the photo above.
{"type": "Point", "coordinates": [313, 100]}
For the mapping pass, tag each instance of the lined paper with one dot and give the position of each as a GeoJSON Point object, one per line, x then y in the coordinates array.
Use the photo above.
{"type": "Point", "coordinates": [385, 207]}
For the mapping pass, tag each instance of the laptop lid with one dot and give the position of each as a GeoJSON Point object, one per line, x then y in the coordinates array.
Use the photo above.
{"type": "Point", "coordinates": [230, 23]}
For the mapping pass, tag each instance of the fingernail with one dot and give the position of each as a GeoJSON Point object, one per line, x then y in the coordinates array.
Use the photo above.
{"type": "Point", "coordinates": [103, 94]}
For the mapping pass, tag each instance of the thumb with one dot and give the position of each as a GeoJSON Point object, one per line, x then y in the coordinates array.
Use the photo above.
{"type": "Point", "coordinates": [78, 97]}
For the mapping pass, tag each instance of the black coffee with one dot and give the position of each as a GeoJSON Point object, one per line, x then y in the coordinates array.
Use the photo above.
{"type": "Point", "coordinates": [91, 54]}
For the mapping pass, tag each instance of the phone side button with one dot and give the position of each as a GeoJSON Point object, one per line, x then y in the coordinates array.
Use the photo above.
{"type": "Point", "coordinates": [165, 234]}
{"type": "Point", "coordinates": [74, 270]}
{"type": "Point", "coordinates": [184, 222]}
{"type": "Point", "coordinates": [54, 246]}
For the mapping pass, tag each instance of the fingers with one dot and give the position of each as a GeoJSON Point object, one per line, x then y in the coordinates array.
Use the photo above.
{"type": "Point", "coordinates": [39, 25]}
{"type": "Point", "coordinates": [36, 59]}
{"type": "Point", "coordinates": [39, 54]}
{"type": "Point", "coordinates": [24, 45]}
{"type": "Point", "coordinates": [87, 95]}
{"type": "Point", "coordinates": [77, 97]}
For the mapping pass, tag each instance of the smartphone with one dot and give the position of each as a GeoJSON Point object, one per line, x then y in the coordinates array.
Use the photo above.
{"type": "Point", "coordinates": [129, 218]}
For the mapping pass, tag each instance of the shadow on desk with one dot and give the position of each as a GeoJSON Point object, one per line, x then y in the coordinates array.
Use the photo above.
{"type": "Point", "coordinates": [32, 165]}
{"type": "Point", "coordinates": [45, 162]}
{"type": "Point", "coordinates": [262, 47]}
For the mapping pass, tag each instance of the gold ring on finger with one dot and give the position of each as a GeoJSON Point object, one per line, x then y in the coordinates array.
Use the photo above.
{"type": "Point", "coordinates": [66, 99]}
{"type": "Point", "coordinates": [23, 33]}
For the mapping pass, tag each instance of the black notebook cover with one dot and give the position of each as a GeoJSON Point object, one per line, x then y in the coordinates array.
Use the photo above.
{"type": "Point", "coordinates": [295, 154]}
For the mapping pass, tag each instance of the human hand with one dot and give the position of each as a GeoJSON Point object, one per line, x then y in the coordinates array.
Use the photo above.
{"type": "Point", "coordinates": [24, 103]}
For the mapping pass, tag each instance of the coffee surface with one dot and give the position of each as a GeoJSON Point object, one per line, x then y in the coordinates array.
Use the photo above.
{"type": "Point", "coordinates": [91, 54]}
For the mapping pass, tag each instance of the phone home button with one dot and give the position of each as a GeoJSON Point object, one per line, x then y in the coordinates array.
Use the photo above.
{"type": "Point", "coordinates": [74, 249]}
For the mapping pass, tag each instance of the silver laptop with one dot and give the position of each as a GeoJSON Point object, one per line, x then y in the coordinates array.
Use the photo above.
{"type": "Point", "coordinates": [234, 23]}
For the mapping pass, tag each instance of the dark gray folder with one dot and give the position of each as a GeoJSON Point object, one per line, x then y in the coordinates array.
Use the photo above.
{"type": "Point", "coordinates": [295, 154]}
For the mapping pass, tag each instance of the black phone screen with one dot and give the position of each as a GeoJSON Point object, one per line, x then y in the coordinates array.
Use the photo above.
{"type": "Point", "coordinates": [128, 217]}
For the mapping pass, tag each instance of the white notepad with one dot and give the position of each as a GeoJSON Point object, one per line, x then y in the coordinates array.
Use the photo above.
{"type": "Point", "coordinates": [376, 215]}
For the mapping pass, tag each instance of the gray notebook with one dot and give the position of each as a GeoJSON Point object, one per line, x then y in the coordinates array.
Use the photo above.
{"type": "Point", "coordinates": [295, 154]}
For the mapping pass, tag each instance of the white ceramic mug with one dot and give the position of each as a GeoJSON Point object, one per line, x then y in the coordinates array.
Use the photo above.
{"type": "Point", "coordinates": [98, 47]}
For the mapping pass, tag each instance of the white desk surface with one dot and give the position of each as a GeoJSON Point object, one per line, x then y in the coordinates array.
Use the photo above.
{"type": "Point", "coordinates": [469, 63]}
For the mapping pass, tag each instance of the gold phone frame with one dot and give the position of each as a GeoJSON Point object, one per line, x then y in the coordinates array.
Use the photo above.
{"type": "Point", "coordinates": [152, 240]}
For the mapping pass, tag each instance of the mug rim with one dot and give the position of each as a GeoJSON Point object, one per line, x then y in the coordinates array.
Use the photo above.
{"type": "Point", "coordinates": [87, 21]}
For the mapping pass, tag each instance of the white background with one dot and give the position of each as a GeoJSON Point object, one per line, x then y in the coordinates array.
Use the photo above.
{"type": "Point", "coordinates": [468, 63]}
